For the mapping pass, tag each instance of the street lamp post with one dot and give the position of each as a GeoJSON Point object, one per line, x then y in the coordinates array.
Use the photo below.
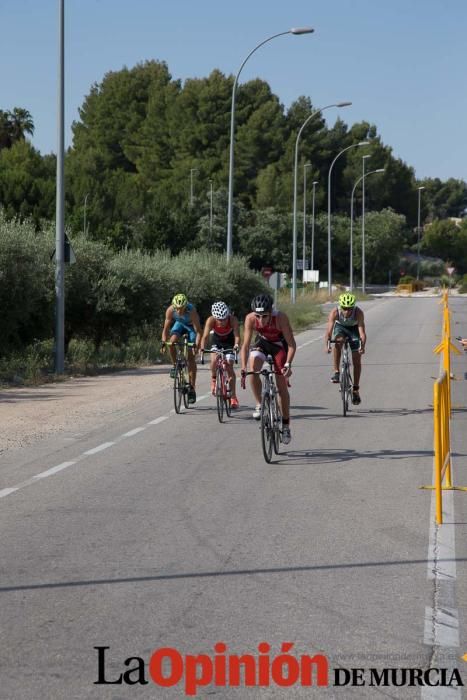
{"type": "Point", "coordinates": [210, 210]}
{"type": "Point", "coordinates": [379, 170]}
{"type": "Point", "coordinates": [312, 265]}
{"type": "Point", "coordinates": [60, 202]}
{"type": "Point", "coordinates": [84, 214]}
{"type": "Point", "coordinates": [418, 232]}
{"type": "Point", "coordinates": [294, 236]}
{"type": "Point", "coordinates": [192, 170]}
{"type": "Point", "coordinates": [353, 145]}
{"type": "Point", "coordinates": [307, 165]}
{"type": "Point", "coordinates": [363, 222]}
{"type": "Point", "coordinates": [297, 30]}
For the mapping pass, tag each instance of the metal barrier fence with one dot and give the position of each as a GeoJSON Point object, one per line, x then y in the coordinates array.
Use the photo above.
{"type": "Point", "coordinates": [442, 414]}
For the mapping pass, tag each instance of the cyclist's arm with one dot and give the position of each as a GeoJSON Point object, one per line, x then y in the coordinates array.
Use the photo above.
{"type": "Point", "coordinates": [331, 321]}
{"type": "Point", "coordinates": [361, 329]}
{"type": "Point", "coordinates": [167, 323]}
{"type": "Point", "coordinates": [207, 329]}
{"type": "Point", "coordinates": [247, 333]}
{"type": "Point", "coordinates": [197, 326]}
{"type": "Point", "coordinates": [236, 330]}
{"type": "Point", "coordinates": [284, 325]}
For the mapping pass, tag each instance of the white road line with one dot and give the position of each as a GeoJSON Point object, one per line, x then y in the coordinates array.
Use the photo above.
{"type": "Point", "coordinates": [156, 421]}
{"type": "Point", "coordinates": [99, 448]}
{"type": "Point", "coordinates": [442, 546]}
{"type": "Point", "coordinates": [445, 631]}
{"type": "Point", "coordinates": [308, 342]}
{"type": "Point", "coordinates": [93, 451]}
{"type": "Point", "coordinates": [135, 431]}
{"type": "Point", "coordinates": [441, 629]}
{"type": "Point", "coordinates": [53, 470]}
{"type": "Point", "coordinates": [6, 492]}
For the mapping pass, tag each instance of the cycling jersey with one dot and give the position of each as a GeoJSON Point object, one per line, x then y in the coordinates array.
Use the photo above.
{"type": "Point", "coordinates": [222, 330]}
{"type": "Point", "coordinates": [347, 327]}
{"type": "Point", "coordinates": [183, 325]}
{"type": "Point", "coordinates": [347, 321]}
{"type": "Point", "coordinates": [270, 332]}
{"type": "Point", "coordinates": [270, 341]}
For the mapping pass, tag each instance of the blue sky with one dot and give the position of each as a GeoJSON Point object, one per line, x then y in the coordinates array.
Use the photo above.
{"type": "Point", "coordinates": [402, 63]}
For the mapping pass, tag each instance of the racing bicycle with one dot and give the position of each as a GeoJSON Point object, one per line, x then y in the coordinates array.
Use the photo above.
{"type": "Point", "coordinates": [223, 390]}
{"type": "Point", "coordinates": [181, 378]}
{"type": "Point", "coordinates": [345, 374]}
{"type": "Point", "coordinates": [271, 417]}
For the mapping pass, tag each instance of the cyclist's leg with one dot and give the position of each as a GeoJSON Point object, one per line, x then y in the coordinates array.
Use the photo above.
{"type": "Point", "coordinates": [256, 361]}
{"type": "Point", "coordinates": [176, 333]}
{"type": "Point", "coordinates": [212, 366]}
{"type": "Point", "coordinates": [191, 334]}
{"type": "Point", "coordinates": [280, 358]}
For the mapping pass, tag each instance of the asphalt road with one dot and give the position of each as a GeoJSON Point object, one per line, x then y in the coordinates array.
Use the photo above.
{"type": "Point", "coordinates": [171, 531]}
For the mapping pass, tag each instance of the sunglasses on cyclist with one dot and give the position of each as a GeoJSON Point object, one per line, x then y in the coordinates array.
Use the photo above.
{"type": "Point", "coordinates": [262, 315]}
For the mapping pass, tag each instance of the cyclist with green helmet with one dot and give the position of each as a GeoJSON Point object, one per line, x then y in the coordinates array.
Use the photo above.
{"type": "Point", "coordinates": [181, 318]}
{"type": "Point", "coordinates": [347, 320]}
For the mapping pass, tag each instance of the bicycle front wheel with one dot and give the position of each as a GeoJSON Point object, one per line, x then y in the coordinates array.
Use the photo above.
{"type": "Point", "coordinates": [220, 395]}
{"type": "Point", "coordinates": [345, 389]}
{"type": "Point", "coordinates": [178, 388]}
{"type": "Point", "coordinates": [228, 408]}
{"type": "Point", "coordinates": [267, 432]}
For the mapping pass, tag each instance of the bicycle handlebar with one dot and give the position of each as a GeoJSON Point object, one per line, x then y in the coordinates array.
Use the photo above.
{"type": "Point", "coordinates": [220, 351]}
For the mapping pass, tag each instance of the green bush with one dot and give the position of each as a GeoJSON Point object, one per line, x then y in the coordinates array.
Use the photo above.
{"type": "Point", "coordinates": [26, 285]}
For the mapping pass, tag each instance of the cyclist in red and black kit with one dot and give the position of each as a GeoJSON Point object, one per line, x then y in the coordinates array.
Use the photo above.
{"type": "Point", "coordinates": [274, 337]}
{"type": "Point", "coordinates": [225, 335]}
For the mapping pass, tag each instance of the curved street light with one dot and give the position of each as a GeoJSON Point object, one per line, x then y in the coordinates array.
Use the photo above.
{"type": "Point", "coordinates": [306, 165]}
{"type": "Point", "coordinates": [353, 145]}
{"type": "Point", "coordinates": [312, 261]}
{"type": "Point", "coordinates": [297, 30]}
{"type": "Point", "coordinates": [418, 232]}
{"type": "Point", "coordinates": [294, 236]}
{"type": "Point", "coordinates": [357, 182]}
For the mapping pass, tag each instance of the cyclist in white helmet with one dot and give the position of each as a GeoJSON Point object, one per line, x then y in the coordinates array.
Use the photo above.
{"type": "Point", "coordinates": [225, 334]}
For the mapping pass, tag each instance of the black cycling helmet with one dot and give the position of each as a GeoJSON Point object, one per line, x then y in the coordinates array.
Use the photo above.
{"type": "Point", "coordinates": [262, 303]}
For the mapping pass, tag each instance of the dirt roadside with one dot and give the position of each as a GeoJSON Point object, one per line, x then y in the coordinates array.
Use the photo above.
{"type": "Point", "coordinates": [29, 414]}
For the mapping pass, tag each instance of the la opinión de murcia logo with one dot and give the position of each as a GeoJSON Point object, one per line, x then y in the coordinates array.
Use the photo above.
{"type": "Point", "coordinates": [167, 668]}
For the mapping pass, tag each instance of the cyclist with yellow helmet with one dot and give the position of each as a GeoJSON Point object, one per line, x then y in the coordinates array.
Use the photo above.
{"type": "Point", "coordinates": [347, 320]}
{"type": "Point", "coordinates": [181, 318]}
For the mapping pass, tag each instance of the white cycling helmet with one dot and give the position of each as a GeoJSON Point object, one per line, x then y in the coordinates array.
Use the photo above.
{"type": "Point", "coordinates": [220, 310]}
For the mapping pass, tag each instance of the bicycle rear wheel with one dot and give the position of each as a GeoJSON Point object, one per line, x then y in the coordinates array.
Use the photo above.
{"type": "Point", "coordinates": [276, 425]}
{"type": "Point", "coordinates": [178, 388]}
{"type": "Point", "coordinates": [220, 395]}
{"type": "Point", "coordinates": [267, 432]}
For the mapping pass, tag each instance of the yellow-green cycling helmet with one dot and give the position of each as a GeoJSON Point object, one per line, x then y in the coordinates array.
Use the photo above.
{"type": "Point", "coordinates": [179, 301]}
{"type": "Point", "coordinates": [347, 300]}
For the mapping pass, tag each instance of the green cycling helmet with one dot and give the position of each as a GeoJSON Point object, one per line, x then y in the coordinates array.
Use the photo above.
{"type": "Point", "coordinates": [179, 301]}
{"type": "Point", "coordinates": [347, 300]}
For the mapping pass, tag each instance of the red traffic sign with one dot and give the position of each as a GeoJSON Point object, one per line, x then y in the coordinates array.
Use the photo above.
{"type": "Point", "coordinates": [266, 272]}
